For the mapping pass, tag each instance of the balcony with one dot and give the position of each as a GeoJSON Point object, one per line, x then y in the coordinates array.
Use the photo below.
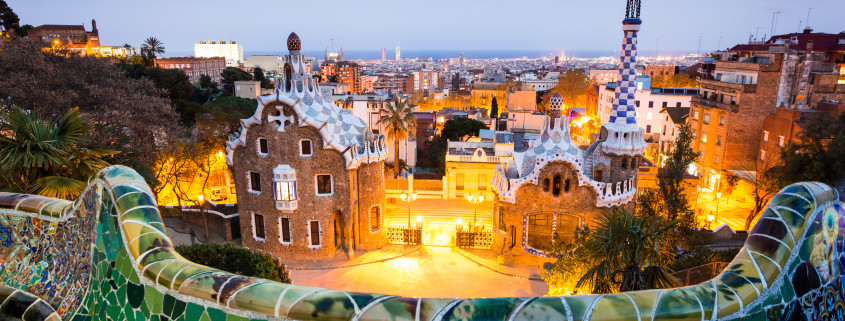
{"type": "Point", "coordinates": [700, 101]}
{"type": "Point", "coordinates": [478, 159]}
{"type": "Point", "coordinates": [286, 206]}
{"type": "Point", "coordinates": [716, 85]}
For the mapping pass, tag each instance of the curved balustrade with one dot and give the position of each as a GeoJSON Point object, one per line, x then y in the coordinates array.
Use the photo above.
{"type": "Point", "coordinates": [107, 256]}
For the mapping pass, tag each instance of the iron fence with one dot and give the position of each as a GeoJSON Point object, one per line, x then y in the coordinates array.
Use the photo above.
{"type": "Point", "coordinates": [476, 239]}
{"type": "Point", "coordinates": [405, 235]}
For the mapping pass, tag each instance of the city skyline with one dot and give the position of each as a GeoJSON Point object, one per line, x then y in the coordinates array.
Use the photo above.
{"type": "Point", "coordinates": [451, 32]}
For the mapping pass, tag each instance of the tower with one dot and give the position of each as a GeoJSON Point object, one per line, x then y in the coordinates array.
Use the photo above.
{"type": "Point", "coordinates": [621, 136]}
{"type": "Point", "coordinates": [383, 54]}
{"type": "Point", "coordinates": [398, 56]}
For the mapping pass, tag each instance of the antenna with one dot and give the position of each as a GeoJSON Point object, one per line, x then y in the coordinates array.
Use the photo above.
{"type": "Point", "coordinates": [774, 21]}
{"type": "Point", "coordinates": [808, 17]}
{"type": "Point", "coordinates": [757, 36]}
{"type": "Point", "coordinates": [799, 25]}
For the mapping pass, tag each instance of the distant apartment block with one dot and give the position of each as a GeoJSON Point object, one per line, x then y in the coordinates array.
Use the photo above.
{"type": "Point", "coordinates": [195, 67]}
{"type": "Point", "coordinates": [233, 52]}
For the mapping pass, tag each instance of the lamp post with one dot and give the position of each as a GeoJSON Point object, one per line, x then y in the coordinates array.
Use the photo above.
{"type": "Point", "coordinates": [408, 197]}
{"type": "Point", "coordinates": [475, 200]}
{"type": "Point", "coordinates": [718, 198]}
{"type": "Point", "coordinates": [202, 212]}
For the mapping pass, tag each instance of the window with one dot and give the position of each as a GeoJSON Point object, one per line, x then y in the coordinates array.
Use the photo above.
{"type": "Point", "coordinates": [325, 185]}
{"type": "Point", "coordinates": [694, 133]}
{"type": "Point", "coordinates": [765, 135]}
{"type": "Point", "coordinates": [258, 226]}
{"type": "Point", "coordinates": [721, 120]}
{"type": "Point", "coordinates": [502, 218]}
{"type": "Point", "coordinates": [648, 128]}
{"type": "Point", "coordinates": [781, 141]}
{"type": "Point", "coordinates": [638, 103]}
{"type": "Point", "coordinates": [762, 154]}
{"type": "Point", "coordinates": [459, 181]}
{"type": "Point", "coordinates": [254, 182]}
{"type": "Point", "coordinates": [540, 230]}
{"type": "Point", "coordinates": [701, 156]}
{"type": "Point", "coordinates": [305, 148]}
{"type": "Point", "coordinates": [545, 185]}
{"type": "Point", "coordinates": [665, 104]}
{"type": "Point", "coordinates": [375, 218]}
{"type": "Point", "coordinates": [707, 119]}
{"type": "Point", "coordinates": [648, 116]}
{"type": "Point", "coordinates": [566, 185]}
{"type": "Point", "coordinates": [704, 138]}
{"type": "Point", "coordinates": [284, 230]}
{"type": "Point", "coordinates": [482, 182]}
{"type": "Point", "coordinates": [624, 164]}
{"type": "Point", "coordinates": [716, 159]}
{"type": "Point", "coordinates": [285, 191]}
{"type": "Point", "coordinates": [556, 185]}
{"type": "Point", "coordinates": [678, 104]}
{"type": "Point", "coordinates": [719, 140]}
{"type": "Point", "coordinates": [695, 114]}
{"type": "Point", "coordinates": [314, 233]}
{"type": "Point", "coordinates": [263, 147]}
{"type": "Point", "coordinates": [650, 104]}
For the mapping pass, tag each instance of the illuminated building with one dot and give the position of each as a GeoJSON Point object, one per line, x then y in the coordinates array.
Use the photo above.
{"type": "Point", "coordinates": [195, 67]}
{"type": "Point", "coordinates": [71, 37]}
{"type": "Point", "coordinates": [231, 51]}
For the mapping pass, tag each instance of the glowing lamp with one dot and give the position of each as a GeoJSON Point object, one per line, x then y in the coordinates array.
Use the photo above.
{"type": "Point", "coordinates": [710, 218]}
{"type": "Point", "coordinates": [200, 198]}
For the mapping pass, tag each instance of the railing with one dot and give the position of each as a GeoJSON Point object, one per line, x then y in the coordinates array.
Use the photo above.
{"type": "Point", "coordinates": [403, 235]}
{"type": "Point", "coordinates": [699, 273]}
{"type": "Point", "coordinates": [714, 104]}
{"type": "Point", "coordinates": [478, 159]}
{"type": "Point", "coordinates": [467, 238]}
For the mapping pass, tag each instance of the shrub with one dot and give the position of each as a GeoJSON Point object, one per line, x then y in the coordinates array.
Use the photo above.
{"type": "Point", "coordinates": [238, 260]}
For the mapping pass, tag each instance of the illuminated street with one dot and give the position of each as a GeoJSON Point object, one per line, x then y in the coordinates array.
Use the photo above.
{"type": "Point", "coordinates": [429, 272]}
{"type": "Point", "coordinates": [728, 210]}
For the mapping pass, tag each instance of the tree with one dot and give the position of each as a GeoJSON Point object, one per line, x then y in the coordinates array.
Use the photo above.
{"type": "Point", "coordinates": [227, 111]}
{"type": "Point", "coordinates": [674, 81]}
{"type": "Point", "coordinates": [9, 20]}
{"type": "Point", "coordinates": [153, 46]}
{"type": "Point", "coordinates": [818, 152]}
{"type": "Point", "coordinates": [399, 121]}
{"type": "Point", "coordinates": [40, 156]}
{"type": "Point", "coordinates": [258, 74]}
{"type": "Point", "coordinates": [456, 129]}
{"type": "Point", "coordinates": [129, 115]}
{"type": "Point", "coordinates": [573, 86]}
{"type": "Point", "coordinates": [238, 260]}
{"type": "Point", "coordinates": [765, 179]}
{"type": "Point", "coordinates": [630, 253]}
{"type": "Point", "coordinates": [175, 82]}
{"type": "Point", "coordinates": [670, 178]}
{"type": "Point", "coordinates": [229, 76]}
{"type": "Point", "coordinates": [494, 110]}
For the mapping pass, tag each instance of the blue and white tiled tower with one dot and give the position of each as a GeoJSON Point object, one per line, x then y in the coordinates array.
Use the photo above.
{"type": "Point", "coordinates": [621, 134]}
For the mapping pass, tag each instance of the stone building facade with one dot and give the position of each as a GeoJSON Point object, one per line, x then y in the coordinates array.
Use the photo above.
{"type": "Point", "coordinates": [195, 67]}
{"type": "Point", "coordinates": [309, 175]}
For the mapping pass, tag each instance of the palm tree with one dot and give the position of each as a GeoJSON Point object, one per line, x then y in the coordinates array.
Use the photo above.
{"type": "Point", "coordinates": [47, 158]}
{"type": "Point", "coordinates": [399, 120]}
{"type": "Point", "coordinates": [153, 46]}
{"type": "Point", "coordinates": [633, 246]}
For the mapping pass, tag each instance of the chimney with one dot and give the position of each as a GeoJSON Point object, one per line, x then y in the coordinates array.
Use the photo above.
{"type": "Point", "coordinates": [809, 46]}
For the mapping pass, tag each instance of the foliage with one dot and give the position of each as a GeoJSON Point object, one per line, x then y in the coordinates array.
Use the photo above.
{"type": "Point", "coordinates": [9, 19]}
{"type": "Point", "coordinates": [765, 182]}
{"type": "Point", "coordinates": [670, 179]}
{"type": "Point", "coordinates": [129, 115]}
{"type": "Point", "coordinates": [456, 129]}
{"type": "Point", "coordinates": [703, 255]}
{"type": "Point", "coordinates": [573, 86]}
{"type": "Point", "coordinates": [238, 260]}
{"type": "Point", "coordinates": [494, 108]}
{"type": "Point", "coordinates": [204, 90]}
{"type": "Point", "coordinates": [38, 155]}
{"type": "Point", "coordinates": [674, 81]}
{"type": "Point", "coordinates": [229, 76]}
{"type": "Point", "coordinates": [572, 262]}
{"type": "Point", "coordinates": [149, 49]}
{"type": "Point", "coordinates": [434, 156]}
{"type": "Point", "coordinates": [818, 152]}
{"type": "Point", "coordinates": [629, 252]}
{"type": "Point", "coordinates": [174, 81]}
{"type": "Point", "coordinates": [229, 110]}
{"type": "Point", "coordinates": [258, 75]}
{"type": "Point", "coordinates": [399, 121]}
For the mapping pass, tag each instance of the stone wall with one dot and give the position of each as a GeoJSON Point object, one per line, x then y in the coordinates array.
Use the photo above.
{"type": "Point", "coordinates": [368, 181]}
{"type": "Point", "coordinates": [334, 213]}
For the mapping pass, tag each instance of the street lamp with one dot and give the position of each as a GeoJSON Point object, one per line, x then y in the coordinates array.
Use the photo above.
{"type": "Point", "coordinates": [475, 199]}
{"type": "Point", "coordinates": [408, 197]}
{"type": "Point", "coordinates": [718, 198]}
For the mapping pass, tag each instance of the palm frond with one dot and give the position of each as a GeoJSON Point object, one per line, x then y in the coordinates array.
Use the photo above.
{"type": "Point", "coordinates": [59, 187]}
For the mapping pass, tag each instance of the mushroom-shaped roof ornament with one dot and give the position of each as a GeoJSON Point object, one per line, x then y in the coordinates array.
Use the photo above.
{"type": "Point", "coordinates": [294, 44]}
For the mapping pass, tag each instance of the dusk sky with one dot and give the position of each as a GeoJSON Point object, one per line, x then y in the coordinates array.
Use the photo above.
{"type": "Point", "coordinates": [262, 26]}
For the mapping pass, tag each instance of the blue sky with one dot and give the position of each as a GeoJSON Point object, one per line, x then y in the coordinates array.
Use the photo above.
{"type": "Point", "coordinates": [433, 24]}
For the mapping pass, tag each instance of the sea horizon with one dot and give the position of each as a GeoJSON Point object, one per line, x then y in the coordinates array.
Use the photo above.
{"type": "Point", "coordinates": [442, 54]}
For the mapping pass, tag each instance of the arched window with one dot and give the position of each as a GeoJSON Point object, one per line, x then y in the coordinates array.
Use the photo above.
{"type": "Point", "coordinates": [566, 185]}
{"type": "Point", "coordinates": [545, 185]}
{"type": "Point", "coordinates": [375, 218]}
{"type": "Point", "coordinates": [288, 76]}
{"type": "Point", "coordinates": [556, 185]}
{"type": "Point", "coordinates": [540, 229]}
{"type": "Point", "coordinates": [633, 163]}
{"type": "Point", "coordinates": [624, 163]}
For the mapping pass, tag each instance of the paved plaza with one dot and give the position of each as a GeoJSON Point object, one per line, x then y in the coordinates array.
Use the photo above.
{"type": "Point", "coordinates": [429, 272]}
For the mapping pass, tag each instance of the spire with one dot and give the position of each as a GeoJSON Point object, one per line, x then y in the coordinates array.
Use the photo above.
{"type": "Point", "coordinates": [632, 11]}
